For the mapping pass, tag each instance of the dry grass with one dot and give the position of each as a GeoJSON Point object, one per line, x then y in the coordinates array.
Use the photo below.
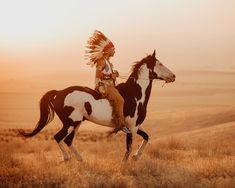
{"type": "Point", "coordinates": [168, 162]}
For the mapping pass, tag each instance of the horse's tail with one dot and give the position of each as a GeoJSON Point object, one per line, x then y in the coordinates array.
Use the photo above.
{"type": "Point", "coordinates": [46, 113]}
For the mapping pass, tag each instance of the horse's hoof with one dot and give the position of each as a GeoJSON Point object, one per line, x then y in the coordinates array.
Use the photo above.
{"type": "Point", "coordinates": [64, 161]}
{"type": "Point", "coordinates": [80, 159]}
{"type": "Point", "coordinates": [135, 157]}
{"type": "Point", "coordinates": [125, 159]}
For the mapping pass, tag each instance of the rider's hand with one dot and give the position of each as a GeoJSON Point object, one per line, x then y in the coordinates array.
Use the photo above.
{"type": "Point", "coordinates": [115, 72]}
{"type": "Point", "coordinates": [107, 77]}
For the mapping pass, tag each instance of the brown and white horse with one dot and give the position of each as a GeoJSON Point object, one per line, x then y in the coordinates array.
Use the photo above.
{"type": "Point", "coordinates": [76, 104]}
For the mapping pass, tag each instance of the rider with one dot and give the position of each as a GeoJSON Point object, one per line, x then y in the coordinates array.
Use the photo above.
{"type": "Point", "coordinates": [100, 49]}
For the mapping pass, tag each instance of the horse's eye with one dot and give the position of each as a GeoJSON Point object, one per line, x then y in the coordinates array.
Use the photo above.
{"type": "Point", "coordinates": [160, 64]}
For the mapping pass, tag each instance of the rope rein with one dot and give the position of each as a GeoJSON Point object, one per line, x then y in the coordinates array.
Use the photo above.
{"type": "Point", "coordinates": [126, 77]}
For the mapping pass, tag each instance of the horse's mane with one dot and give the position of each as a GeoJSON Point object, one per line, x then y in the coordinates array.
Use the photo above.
{"type": "Point", "coordinates": [136, 67]}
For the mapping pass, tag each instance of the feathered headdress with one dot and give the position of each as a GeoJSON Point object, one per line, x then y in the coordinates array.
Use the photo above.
{"type": "Point", "coordinates": [98, 45]}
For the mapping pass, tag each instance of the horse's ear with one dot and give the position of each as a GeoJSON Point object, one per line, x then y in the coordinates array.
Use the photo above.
{"type": "Point", "coordinates": [154, 53]}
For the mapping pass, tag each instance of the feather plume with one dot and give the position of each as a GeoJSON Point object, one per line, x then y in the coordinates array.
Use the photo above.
{"type": "Point", "coordinates": [97, 45]}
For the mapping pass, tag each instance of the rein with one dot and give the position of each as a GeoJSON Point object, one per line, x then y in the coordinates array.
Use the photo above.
{"type": "Point", "coordinates": [126, 77]}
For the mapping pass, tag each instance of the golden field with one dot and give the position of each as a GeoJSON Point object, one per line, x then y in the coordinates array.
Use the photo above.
{"type": "Point", "coordinates": [191, 124]}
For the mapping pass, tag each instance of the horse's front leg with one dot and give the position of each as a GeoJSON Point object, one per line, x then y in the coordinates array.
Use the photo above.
{"type": "Point", "coordinates": [139, 152]}
{"type": "Point", "coordinates": [128, 146]}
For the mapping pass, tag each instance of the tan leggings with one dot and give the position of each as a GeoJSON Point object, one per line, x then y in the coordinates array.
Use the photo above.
{"type": "Point", "coordinates": [117, 103]}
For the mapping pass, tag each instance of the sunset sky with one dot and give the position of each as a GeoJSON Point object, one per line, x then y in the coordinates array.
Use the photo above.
{"type": "Point", "coordinates": [49, 36]}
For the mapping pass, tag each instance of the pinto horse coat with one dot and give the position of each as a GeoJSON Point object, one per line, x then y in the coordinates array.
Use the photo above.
{"type": "Point", "coordinates": [76, 104]}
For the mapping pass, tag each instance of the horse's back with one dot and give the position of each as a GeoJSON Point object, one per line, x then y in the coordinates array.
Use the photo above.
{"type": "Point", "coordinates": [78, 102]}
{"type": "Point", "coordinates": [62, 94]}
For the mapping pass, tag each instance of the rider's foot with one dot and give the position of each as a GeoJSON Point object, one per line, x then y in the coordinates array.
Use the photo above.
{"type": "Point", "coordinates": [126, 130]}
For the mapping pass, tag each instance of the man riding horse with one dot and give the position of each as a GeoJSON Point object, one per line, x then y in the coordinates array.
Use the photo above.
{"type": "Point", "coordinates": [76, 104]}
{"type": "Point", "coordinates": [100, 50]}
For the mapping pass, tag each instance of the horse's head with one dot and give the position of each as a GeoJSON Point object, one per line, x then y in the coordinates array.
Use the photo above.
{"type": "Point", "coordinates": [157, 70]}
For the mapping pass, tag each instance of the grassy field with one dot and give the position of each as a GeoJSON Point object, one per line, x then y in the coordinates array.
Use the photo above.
{"type": "Point", "coordinates": [170, 161]}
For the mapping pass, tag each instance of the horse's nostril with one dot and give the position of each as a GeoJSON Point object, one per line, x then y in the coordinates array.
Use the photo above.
{"type": "Point", "coordinates": [173, 76]}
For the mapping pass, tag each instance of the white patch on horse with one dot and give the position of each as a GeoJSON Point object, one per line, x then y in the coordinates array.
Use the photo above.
{"type": "Point", "coordinates": [70, 129]}
{"type": "Point", "coordinates": [101, 109]}
{"type": "Point", "coordinates": [130, 121]}
{"type": "Point", "coordinates": [143, 81]}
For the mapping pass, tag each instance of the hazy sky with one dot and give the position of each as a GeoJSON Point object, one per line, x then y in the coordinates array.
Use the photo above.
{"type": "Point", "coordinates": [50, 35]}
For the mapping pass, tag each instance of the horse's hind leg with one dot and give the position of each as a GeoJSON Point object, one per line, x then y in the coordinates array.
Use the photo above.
{"type": "Point", "coordinates": [60, 137]}
{"type": "Point", "coordinates": [69, 141]}
{"type": "Point", "coordinates": [139, 152]}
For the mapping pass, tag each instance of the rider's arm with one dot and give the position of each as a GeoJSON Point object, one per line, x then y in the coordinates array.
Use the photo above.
{"type": "Point", "coordinates": [115, 74]}
{"type": "Point", "coordinates": [99, 73]}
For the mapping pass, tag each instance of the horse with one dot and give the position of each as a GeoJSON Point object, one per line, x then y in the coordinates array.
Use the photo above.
{"type": "Point", "coordinates": [76, 104]}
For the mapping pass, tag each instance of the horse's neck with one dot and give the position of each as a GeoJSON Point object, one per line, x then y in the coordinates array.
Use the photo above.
{"type": "Point", "coordinates": [138, 83]}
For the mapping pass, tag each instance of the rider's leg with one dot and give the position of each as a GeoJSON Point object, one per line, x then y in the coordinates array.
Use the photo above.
{"type": "Point", "coordinates": [117, 103]}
